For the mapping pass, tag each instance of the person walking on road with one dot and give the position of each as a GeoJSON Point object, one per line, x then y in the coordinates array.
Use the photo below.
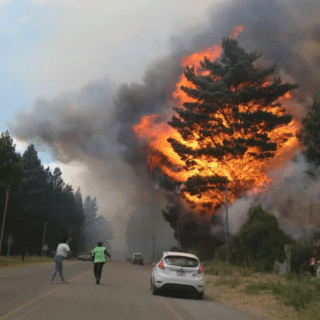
{"type": "Point", "coordinates": [63, 251]}
{"type": "Point", "coordinates": [99, 259]}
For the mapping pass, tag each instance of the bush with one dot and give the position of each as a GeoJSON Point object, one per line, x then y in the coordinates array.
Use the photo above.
{"type": "Point", "coordinates": [300, 296]}
{"type": "Point", "coordinates": [220, 268]}
{"type": "Point", "coordinates": [301, 253]}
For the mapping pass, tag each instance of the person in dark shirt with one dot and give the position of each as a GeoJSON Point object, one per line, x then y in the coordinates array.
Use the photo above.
{"type": "Point", "coordinates": [99, 259]}
{"type": "Point", "coordinates": [23, 253]}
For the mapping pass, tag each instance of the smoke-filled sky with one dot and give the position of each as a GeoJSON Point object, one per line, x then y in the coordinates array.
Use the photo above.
{"type": "Point", "coordinates": [77, 75]}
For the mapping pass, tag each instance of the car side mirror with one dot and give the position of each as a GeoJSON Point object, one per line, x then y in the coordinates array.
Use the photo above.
{"type": "Point", "coordinates": [153, 264]}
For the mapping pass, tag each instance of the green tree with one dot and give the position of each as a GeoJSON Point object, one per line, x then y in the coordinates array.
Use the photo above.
{"type": "Point", "coordinates": [11, 174]}
{"type": "Point", "coordinates": [233, 109]}
{"type": "Point", "coordinates": [10, 163]}
{"type": "Point", "coordinates": [309, 135]}
{"type": "Point", "coordinates": [74, 217]}
{"type": "Point", "coordinates": [261, 238]}
{"type": "Point", "coordinates": [33, 203]}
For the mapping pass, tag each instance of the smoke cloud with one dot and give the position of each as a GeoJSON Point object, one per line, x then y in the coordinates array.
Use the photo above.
{"type": "Point", "coordinates": [292, 196]}
{"type": "Point", "coordinates": [94, 126]}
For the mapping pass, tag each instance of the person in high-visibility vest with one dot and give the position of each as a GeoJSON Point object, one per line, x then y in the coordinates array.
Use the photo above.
{"type": "Point", "coordinates": [99, 254]}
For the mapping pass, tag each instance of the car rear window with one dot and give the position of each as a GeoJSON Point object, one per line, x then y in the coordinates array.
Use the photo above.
{"type": "Point", "coordinates": [181, 261]}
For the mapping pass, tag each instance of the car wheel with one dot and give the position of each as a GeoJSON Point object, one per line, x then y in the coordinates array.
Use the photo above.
{"type": "Point", "coordinates": [155, 291]}
{"type": "Point", "coordinates": [200, 295]}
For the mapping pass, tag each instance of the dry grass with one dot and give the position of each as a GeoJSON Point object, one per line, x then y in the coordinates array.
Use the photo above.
{"type": "Point", "coordinates": [263, 305]}
{"type": "Point", "coordinates": [16, 261]}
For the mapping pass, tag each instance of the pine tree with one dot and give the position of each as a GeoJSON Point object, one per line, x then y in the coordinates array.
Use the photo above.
{"type": "Point", "coordinates": [35, 209]}
{"type": "Point", "coordinates": [11, 175]}
{"type": "Point", "coordinates": [233, 108]}
{"type": "Point", "coordinates": [34, 182]}
{"type": "Point", "coordinates": [309, 135]}
{"type": "Point", "coordinates": [11, 171]}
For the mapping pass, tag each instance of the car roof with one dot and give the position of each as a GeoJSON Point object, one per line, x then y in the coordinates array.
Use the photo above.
{"type": "Point", "coordinates": [173, 253]}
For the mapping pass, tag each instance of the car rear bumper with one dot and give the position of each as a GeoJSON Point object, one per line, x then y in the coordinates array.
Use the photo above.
{"type": "Point", "coordinates": [191, 284]}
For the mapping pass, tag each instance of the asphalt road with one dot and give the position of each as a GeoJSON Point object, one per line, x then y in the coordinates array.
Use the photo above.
{"type": "Point", "coordinates": [124, 293]}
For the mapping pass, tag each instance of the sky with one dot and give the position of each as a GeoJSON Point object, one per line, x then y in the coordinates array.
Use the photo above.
{"type": "Point", "coordinates": [53, 47]}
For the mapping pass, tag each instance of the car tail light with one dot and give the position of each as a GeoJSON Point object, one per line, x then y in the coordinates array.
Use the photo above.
{"type": "Point", "coordinates": [161, 265]}
{"type": "Point", "coordinates": [200, 269]}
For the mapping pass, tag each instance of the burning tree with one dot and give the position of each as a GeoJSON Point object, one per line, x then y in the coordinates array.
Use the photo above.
{"type": "Point", "coordinates": [231, 122]}
{"type": "Point", "coordinates": [309, 135]}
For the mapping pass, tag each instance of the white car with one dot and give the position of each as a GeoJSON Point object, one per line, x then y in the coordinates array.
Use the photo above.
{"type": "Point", "coordinates": [178, 271]}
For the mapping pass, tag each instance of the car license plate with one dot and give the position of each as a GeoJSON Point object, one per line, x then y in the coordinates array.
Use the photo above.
{"type": "Point", "coordinates": [181, 273]}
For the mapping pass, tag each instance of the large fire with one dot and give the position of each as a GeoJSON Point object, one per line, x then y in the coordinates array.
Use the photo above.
{"type": "Point", "coordinates": [246, 174]}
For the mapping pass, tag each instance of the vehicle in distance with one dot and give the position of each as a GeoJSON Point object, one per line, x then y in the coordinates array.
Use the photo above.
{"type": "Point", "coordinates": [178, 271]}
{"type": "Point", "coordinates": [85, 256]}
{"type": "Point", "coordinates": [137, 258]}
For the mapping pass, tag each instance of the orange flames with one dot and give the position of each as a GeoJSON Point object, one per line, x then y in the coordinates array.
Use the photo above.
{"type": "Point", "coordinates": [246, 174]}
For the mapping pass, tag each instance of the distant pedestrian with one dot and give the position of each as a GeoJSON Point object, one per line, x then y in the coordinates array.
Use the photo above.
{"type": "Point", "coordinates": [23, 253]}
{"type": "Point", "coordinates": [312, 263]}
{"type": "Point", "coordinates": [63, 251]}
{"type": "Point", "coordinates": [99, 259]}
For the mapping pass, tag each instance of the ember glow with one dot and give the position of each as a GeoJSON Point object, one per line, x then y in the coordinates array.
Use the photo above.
{"type": "Point", "coordinates": [245, 174]}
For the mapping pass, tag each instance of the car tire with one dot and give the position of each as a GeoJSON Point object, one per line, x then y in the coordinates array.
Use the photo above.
{"type": "Point", "coordinates": [155, 291]}
{"type": "Point", "coordinates": [200, 295]}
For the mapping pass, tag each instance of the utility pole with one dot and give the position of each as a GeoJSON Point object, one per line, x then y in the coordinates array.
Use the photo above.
{"type": "Point", "coordinates": [178, 231]}
{"type": "Point", "coordinates": [227, 226]}
{"type": "Point", "coordinates": [4, 217]}
{"type": "Point", "coordinates": [44, 237]}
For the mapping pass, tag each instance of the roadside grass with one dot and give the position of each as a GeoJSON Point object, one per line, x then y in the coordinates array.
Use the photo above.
{"type": "Point", "coordinates": [275, 295]}
{"type": "Point", "coordinates": [221, 268]}
{"type": "Point", "coordinates": [233, 282]}
{"type": "Point", "coordinates": [16, 261]}
{"type": "Point", "coordinates": [300, 296]}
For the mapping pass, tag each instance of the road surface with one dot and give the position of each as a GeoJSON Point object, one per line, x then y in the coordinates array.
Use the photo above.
{"type": "Point", "coordinates": [124, 293]}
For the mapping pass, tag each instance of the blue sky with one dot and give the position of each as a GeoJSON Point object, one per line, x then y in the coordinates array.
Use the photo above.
{"type": "Point", "coordinates": [23, 30]}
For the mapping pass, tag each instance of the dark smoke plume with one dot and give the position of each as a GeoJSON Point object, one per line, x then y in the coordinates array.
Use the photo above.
{"type": "Point", "coordinates": [94, 126]}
